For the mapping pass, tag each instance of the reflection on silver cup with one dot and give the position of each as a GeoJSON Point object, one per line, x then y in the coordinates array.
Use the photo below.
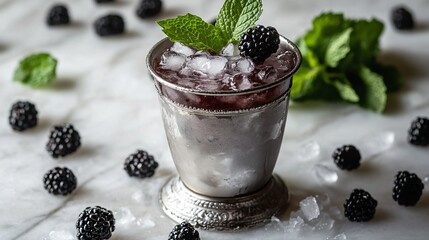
{"type": "Point", "coordinates": [224, 154]}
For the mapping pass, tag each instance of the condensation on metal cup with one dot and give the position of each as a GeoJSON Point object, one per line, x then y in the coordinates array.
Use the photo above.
{"type": "Point", "coordinates": [224, 154]}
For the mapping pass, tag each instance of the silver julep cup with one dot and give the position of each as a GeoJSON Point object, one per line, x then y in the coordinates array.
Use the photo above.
{"type": "Point", "coordinates": [225, 146]}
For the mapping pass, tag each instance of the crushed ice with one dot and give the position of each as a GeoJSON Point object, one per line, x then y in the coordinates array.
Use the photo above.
{"type": "Point", "coordinates": [225, 71]}
{"type": "Point", "coordinates": [316, 214]}
{"type": "Point", "coordinates": [126, 219]}
{"type": "Point", "coordinates": [308, 150]}
{"type": "Point", "coordinates": [376, 143]}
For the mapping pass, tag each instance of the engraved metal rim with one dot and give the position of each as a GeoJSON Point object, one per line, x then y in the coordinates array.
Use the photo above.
{"type": "Point", "coordinates": [159, 79]}
{"type": "Point", "coordinates": [203, 111]}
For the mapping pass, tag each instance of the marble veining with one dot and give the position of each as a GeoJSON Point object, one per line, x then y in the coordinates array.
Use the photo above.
{"type": "Point", "coordinates": [103, 89]}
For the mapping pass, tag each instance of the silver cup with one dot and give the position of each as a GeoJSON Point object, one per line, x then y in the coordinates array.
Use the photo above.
{"type": "Point", "coordinates": [224, 145]}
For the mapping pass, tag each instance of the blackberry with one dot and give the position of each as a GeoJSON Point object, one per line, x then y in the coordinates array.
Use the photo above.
{"type": "Point", "coordinates": [140, 164]}
{"type": "Point", "coordinates": [60, 181]}
{"type": "Point", "coordinates": [63, 140]}
{"type": "Point", "coordinates": [111, 24]}
{"type": "Point", "coordinates": [23, 115]}
{"type": "Point", "coordinates": [259, 43]}
{"type": "Point", "coordinates": [149, 8]}
{"type": "Point", "coordinates": [184, 231]}
{"type": "Point", "coordinates": [347, 157]}
{"type": "Point", "coordinates": [58, 15]}
{"type": "Point", "coordinates": [402, 18]}
{"type": "Point", "coordinates": [95, 223]}
{"type": "Point", "coordinates": [418, 134]}
{"type": "Point", "coordinates": [360, 207]}
{"type": "Point", "coordinates": [407, 188]}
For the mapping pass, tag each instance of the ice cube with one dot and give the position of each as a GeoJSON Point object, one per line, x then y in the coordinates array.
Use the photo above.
{"type": "Point", "coordinates": [207, 64]}
{"type": "Point", "coordinates": [182, 49]}
{"type": "Point", "coordinates": [61, 235]}
{"type": "Point", "coordinates": [244, 65]}
{"type": "Point", "coordinates": [244, 83]}
{"type": "Point", "coordinates": [229, 51]}
{"type": "Point", "coordinates": [124, 217]}
{"type": "Point", "coordinates": [340, 236]}
{"type": "Point", "coordinates": [267, 74]}
{"type": "Point", "coordinates": [309, 208]}
{"type": "Point", "coordinates": [377, 143]}
{"type": "Point", "coordinates": [325, 173]}
{"type": "Point", "coordinates": [285, 61]}
{"type": "Point", "coordinates": [172, 61]}
{"type": "Point", "coordinates": [308, 150]}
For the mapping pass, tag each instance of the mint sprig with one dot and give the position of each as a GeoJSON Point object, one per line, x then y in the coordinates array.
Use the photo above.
{"type": "Point", "coordinates": [235, 17]}
{"type": "Point", "coordinates": [339, 63]}
{"type": "Point", "coordinates": [36, 70]}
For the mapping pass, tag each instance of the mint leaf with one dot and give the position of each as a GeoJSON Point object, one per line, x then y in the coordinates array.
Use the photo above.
{"type": "Point", "coordinates": [192, 31]}
{"type": "Point", "coordinates": [373, 95]}
{"type": "Point", "coordinates": [236, 16]}
{"type": "Point", "coordinates": [304, 82]}
{"type": "Point", "coordinates": [36, 70]}
{"type": "Point", "coordinates": [344, 88]}
{"type": "Point", "coordinates": [338, 48]}
{"type": "Point", "coordinates": [391, 76]}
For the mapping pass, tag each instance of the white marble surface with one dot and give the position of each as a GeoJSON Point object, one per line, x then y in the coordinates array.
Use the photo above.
{"type": "Point", "coordinates": [104, 90]}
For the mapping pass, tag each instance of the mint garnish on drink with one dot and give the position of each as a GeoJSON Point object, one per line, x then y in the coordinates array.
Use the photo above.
{"type": "Point", "coordinates": [234, 18]}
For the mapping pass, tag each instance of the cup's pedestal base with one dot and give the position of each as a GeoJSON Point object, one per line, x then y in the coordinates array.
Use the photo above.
{"type": "Point", "coordinates": [223, 214]}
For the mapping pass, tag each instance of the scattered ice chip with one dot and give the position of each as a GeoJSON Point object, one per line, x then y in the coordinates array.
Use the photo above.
{"type": "Point", "coordinates": [310, 208]}
{"type": "Point", "coordinates": [377, 143]}
{"type": "Point", "coordinates": [308, 150]}
{"type": "Point", "coordinates": [172, 61]}
{"type": "Point", "coordinates": [61, 235]}
{"type": "Point", "coordinates": [325, 173]}
{"type": "Point", "coordinates": [323, 222]}
{"type": "Point", "coordinates": [275, 225]}
{"type": "Point", "coordinates": [145, 223]}
{"type": "Point", "coordinates": [295, 224]}
{"type": "Point", "coordinates": [124, 216]}
{"type": "Point", "coordinates": [182, 49]}
{"type": "Point", "coordinates": [340, 236]}
{"type": "Point", "coordinates": [336, 213]}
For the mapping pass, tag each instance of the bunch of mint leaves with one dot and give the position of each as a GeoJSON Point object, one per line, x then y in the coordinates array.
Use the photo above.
{"type": "Point", "coordinates": [339, 63]}
{"type": "Point", "coordinates": [234, 18]}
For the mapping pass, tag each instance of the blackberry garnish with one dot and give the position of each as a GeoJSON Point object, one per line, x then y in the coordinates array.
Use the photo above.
{"type": "Point", "coordinates": [23, 115]}
{"type": "Point", "coordinates": [259, 43]}
{"type": "Point", "coordinates": [63, 140]}
{"type": "Point", "coordinates": [60, 181]}
{"type": "Point", "coordinates": [95, 223]}
{"type": "Point", "coordinates": [184, 231]}
{"type": "Point", "coordinates": [58, 15]}
{"type": "Point", "coordinates": [149, 8]}
{"type": "Point", "coordinates": [360, 207]}
{"type": "Point", "coordinates": [402, 18]}
{"type": "Point", "coordinates": [140, 164]}
{"type": "Point", "coordinates": [418, 134]}
{"type": "Point", "coordinates": [407, 188]}
{"type": "Point", "coordinates": [347, 157]}
{"type": "Point", "coordinates": [109, 25]}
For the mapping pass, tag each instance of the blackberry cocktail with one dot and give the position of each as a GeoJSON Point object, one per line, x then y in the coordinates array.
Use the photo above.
{"type": "Point", "coordinates": [224, 111]}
